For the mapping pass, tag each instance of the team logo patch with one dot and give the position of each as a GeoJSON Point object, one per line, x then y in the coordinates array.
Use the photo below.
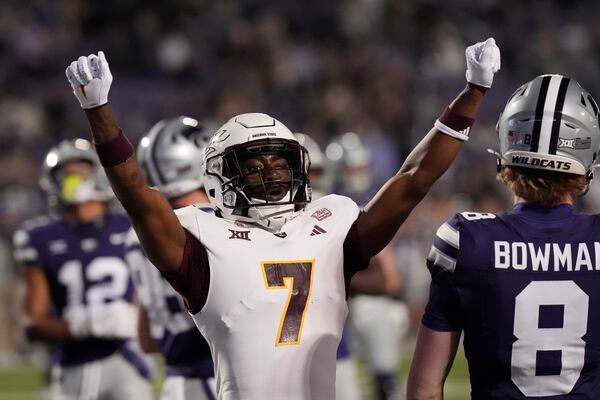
{"type": "Point", "coordinates": [243, 235]}
{"type": "Point", "coordinates": [317, 230]}
{"type": "Point", "coordinates": [577, 143]}
{"type": "Point", "coordinates": [321, 214]}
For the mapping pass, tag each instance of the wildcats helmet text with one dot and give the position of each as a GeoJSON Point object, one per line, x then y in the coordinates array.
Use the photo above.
{"type": "Point", "coordinates": [539, 162]}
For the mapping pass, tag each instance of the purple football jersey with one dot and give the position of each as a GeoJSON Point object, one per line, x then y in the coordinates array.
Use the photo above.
{"type": "Point", "coordinates": [523, 286]}
{"type": "Point", "coordinates": [84, 264]}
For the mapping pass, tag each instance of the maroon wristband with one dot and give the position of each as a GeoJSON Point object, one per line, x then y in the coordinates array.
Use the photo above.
{"type": "Point", "coordinates": [455, 121]}
{"type": "Point", "coordinates": [114, 152]}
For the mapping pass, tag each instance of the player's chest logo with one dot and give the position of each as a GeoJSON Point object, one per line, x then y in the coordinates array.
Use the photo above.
{"type": "Point", "coordinates": [57, 247]}
{"type": "Point", "coordinates": [317, 230]}
{"type": "Point", "coordinates": [321, 214]}
{"type": "Point", "coordinates": [242, 235]}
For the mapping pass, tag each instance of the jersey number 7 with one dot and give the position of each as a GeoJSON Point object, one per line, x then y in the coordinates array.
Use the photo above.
{"type": "Point", "coordinates": [296, 276]}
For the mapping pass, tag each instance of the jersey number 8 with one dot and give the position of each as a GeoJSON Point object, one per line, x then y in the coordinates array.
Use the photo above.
{"type": "Point", "coordinates": [537, 343]}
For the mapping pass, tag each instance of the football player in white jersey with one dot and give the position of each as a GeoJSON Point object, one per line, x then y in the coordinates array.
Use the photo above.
{"type": "Point", "coordinates": [265, 277]}
{"type": "Point", "coordinates": [171, 158]}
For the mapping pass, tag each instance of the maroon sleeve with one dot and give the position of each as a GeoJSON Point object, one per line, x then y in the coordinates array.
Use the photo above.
{"type": "Point", "coordinates": [193, 278]}
{"type": "Point", "coordinates": [353, 260]}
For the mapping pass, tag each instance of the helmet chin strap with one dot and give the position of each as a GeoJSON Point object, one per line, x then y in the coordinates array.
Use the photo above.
{"type": "Point", "coordinates": [273, 217]}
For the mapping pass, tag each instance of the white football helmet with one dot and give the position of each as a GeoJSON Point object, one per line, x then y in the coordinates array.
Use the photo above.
{"type": "Point", "coordinates": [171, 155]}
{"type": "Point", "coordinates": [269, 196]}
{"type": "Point", "coordinates": [63, 191]}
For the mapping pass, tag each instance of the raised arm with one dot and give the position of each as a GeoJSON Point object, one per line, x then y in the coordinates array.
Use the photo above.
{"type": "Point", "coordinates": [152, 217]}
{"type": "Point", "coordinates": [431, 157]}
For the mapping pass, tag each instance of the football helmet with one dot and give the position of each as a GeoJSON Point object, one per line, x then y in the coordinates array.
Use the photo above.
{"type": "Point", "coordinates": [243, 182]}
{"type": "Point", "coordinates": [70, 189]}
{"type": "Point", "coordinates": [171, 155]}
{"type": "Point", "coordinates": [352, 161]}
{"type": "Point", "coordinates": [321, 173]}
{"type": "Point", "coordinates": [550, 123]}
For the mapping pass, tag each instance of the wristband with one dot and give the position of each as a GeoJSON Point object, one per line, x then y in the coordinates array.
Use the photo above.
{"type": "Point", "coordinates": [454, 125]}
{"type": "Point", "coordinates": [114, 152]}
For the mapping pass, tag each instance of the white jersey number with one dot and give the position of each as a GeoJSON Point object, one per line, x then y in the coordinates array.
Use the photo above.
{"type": "Point", "coordinates": [296, 276]}
{"type": "Point", "coordinates": [101, 289]}
{"type": "Point", "coordinates": [532, 339]}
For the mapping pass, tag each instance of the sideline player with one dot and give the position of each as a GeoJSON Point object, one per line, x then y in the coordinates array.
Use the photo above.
{"type": "Point", "coordinates": [265, 277]}
{"type": "Point", "coordinates": [79, 294]}
{"type": "Point", "coordinates": [321, 183]}
{"type": "Point", "coordinates": [171, 157]}
{"type": "Point", "coordinates": [522, 285]}
{"type": "Point", "coordinates": [378, 321]}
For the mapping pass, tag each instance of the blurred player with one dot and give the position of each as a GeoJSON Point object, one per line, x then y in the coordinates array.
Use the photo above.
{"type": "Point", "coordinates": [378, 321]}
{"type": "Point", "coordinates": [321, 169]}
{"type": "Point", "coordinates": [171, 157]}
{"type": "Point", "coordinates": [522, 285]}
{"type": "Point", "coordinates": [321, 183]}
{"type": "Point", "coordinates": [79, 294]}
{"type": "Point", "coordinates": [265, 277]}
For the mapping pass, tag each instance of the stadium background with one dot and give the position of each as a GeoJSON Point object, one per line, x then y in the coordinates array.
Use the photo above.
{"type": "Point", "coordinates": [382, 68]}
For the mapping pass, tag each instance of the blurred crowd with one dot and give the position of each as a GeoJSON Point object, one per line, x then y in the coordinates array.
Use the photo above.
{"type": "Point", "coordinates": [381, 68]}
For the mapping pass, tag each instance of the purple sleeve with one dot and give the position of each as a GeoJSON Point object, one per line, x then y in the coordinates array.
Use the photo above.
{"type": "Point", "coordinates": [193, 278]}
{"type": "Point", "coordinates": [442, 313]}
{"type": "Point", "coordinates": [353, 260]}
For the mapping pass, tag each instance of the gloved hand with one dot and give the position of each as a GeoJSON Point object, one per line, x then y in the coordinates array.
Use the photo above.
{"type": "Point", "coordinates": [483, 61]}
{"type": "Point", "coordinates": [90, 79]}
{"type": "Point", "coordinates": [116, 320]}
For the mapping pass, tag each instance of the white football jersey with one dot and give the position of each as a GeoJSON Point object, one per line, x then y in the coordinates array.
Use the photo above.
{"type": "Point", "coordinates": [276, 305]}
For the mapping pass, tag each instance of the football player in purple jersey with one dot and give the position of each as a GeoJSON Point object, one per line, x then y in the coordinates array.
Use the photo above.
{"type": "Point", "coordinates": [522, 285]}
{"type": "Point", "coordinates": [266, 243]}
{"type": "Point", "coordinates": [171, 157]}
{"type": "Point", "coordinates": [79, 294]}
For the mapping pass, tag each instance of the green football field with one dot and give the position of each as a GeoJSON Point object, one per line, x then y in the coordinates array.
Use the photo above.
{"type": "Point", "coordinates": [26, 383]}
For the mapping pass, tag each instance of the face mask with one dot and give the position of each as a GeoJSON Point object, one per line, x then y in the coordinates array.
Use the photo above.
{"type": "Point", "coordinates": [76, 190]}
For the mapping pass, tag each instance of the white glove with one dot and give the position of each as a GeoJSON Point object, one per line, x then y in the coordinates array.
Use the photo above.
{"type": "Point", "coordinates": [483, 61]}
{"type": "Point", "coordinates": [90, 79]}
{"type": "Point", "coordinates": [116, 320]}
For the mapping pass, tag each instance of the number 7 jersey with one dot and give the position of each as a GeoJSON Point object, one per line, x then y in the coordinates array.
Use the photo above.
{"type": "Point", "coordinates": [524, 287]}
{"type": "Point", "coordinates": [276, 305]}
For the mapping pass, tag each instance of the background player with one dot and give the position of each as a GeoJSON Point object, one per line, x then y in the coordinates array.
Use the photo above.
{"type": "Point", "coordinates": [171, 157]}
{"type": "Point", "coordinates": [378, 320]}
{"type": "Point", "coordinates": [522, 285]}
{"type": "Point", "coordinates": [234, 268]}
{"type": "Point", "coordinates": [79, 294]}
{"type": "Point", "coordinates": [321, 183]}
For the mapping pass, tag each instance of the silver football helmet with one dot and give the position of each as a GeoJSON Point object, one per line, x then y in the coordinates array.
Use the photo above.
{"type": "Point", "coordinates": [171, 155]}
{"type": "Point", "coordinates": [63, 189]}
{"type": "Point", "coordinates": [264, 194]}
{"type": "Point", "coordinates": [321, 169]}
{"type": "Point", "coordinates": [550, 123]}
{"type": "Point", "coordinates": [352, 161]}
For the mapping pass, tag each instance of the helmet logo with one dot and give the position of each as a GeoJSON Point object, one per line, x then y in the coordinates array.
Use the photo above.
{"type": "Point", "coordinates": [577, 143]}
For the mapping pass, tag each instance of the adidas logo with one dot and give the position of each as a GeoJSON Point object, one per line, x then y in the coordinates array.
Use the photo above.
{"type": "Point", "coordinates": [317, 230]}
